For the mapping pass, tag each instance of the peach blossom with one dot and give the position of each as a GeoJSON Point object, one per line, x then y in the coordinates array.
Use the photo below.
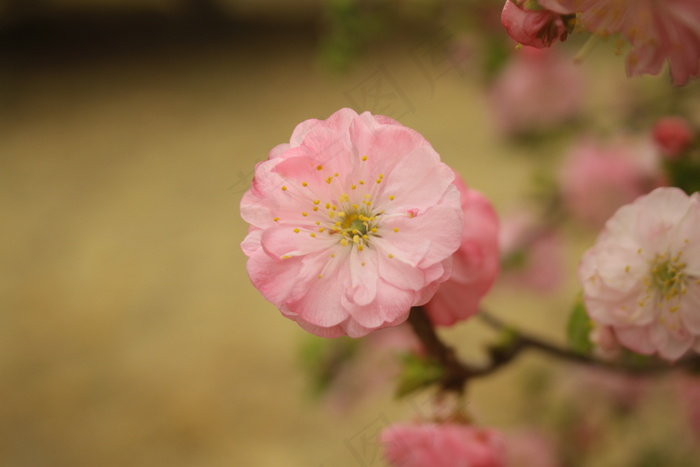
{"type": "Point", "coordinates": [673, 135]}
{"type": "Point", "coordinates": [351, 224]}
{"type": "Point", "coordinates": [535, 27]}
{"type": "Point", "coordinates": [475, 264]}
{"type": "Point", "coordinates": [442, 445]}
{"type": "Point", "coordinates": [657, 30]}
{"type": "Point", "coordinates": [642, 277]}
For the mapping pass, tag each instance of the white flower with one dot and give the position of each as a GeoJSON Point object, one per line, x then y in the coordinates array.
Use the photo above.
{"type": "Point", "coordinates": [642, 277]}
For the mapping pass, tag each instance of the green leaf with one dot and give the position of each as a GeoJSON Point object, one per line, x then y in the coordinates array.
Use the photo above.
{"type": "Point", "coordinates": [323, 359]}
{"type": "Point", "coordinates": [579, 329]}
{"type": "Point", "coordinates": [417, 373]}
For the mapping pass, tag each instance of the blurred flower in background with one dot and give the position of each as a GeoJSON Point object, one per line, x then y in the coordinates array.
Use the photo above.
{"type": "Point", "coordinates": [532, 254]}
{"type": "Point", "coordinates": [442, 445]}
{"type": "Point", "coordinates": [597, 177]}
{"type": "Point", "coordinates": [538, 90]}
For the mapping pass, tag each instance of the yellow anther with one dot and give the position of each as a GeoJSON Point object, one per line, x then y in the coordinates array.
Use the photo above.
{"type": "Point", "coordinates": [344, 241]}
{"type": "Point", "coordinates": [639, 251]}
{"type": "Point", "coordinates": [329, 180]}
{"type": "Point", "coordinates": [304, 184]}
{"type": "Point", "coordinates": [361, 182]}
{"type": "Point", "coordinates": [328, 205]}
{"type": "Point", "coordinates": [317, 201]}
{"type": "Point", "coordinates": [355, 238]}
{"type": "Point", "coordinates": [331, 214]}
{"type": "Point", "coordinates": [320, 276]}
{"type": "Point", "coordinates": [391, 197]}
{"type": "Point", "coordinates": [396, 229]}
{"type": "Point", "coordinates": [286, 257]}
{"type": "Point", "coordinates": [673, 309]}
{"type": "Point", "coordinates": [296, 230]}
{"type": "Point", "coordinates": [304, 214]}
{"type": "Point", "coordinates": [276, 219]}
{"type": "Point", "coordinates": [360, 247]}
{"type": "Point", "coordinates": [332, 255]}
{"type": "Point", "coordinates": [381, 175]}
{"type": "Point", "coordinates": [627, 268]}
{"type": "Point", "coordinates": [364, 158]}
{"type": "Point", "coordinates": [390, 256]}
{"type": "Point", "coordinates": [355, 206]}
{"type": "Point", "coordinates": [362, 263]}
{"type": "Point", "coordinates": [317, 223]}
{"type": "Point", "coordinates": [312, 235]}
{"type": "Point", "coordinates": [353, 187]}
{"type": "Point", "coordinates": [284, 188]}
{"type": "Point", "coordinates": [365, 237]}
{"type": "Point", "coordinates": [319, 167]}
{"type": "Point", "coordinates": [374, 230]}
{"type": "Point", "coordinates": [315, 208]}
{"type": "Point", "coordinates": [321, 229]}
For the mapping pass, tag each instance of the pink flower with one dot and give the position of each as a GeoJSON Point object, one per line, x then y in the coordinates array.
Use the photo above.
{"type": "Point", "coordinates": [673, 135]}
{"type": "Point", "coordinates": [529, 24]}
{"type": "Point", "coordinates": [642, 277]}
{"type": "Point", "coordinates": [689, 388]}
{"type": "Point", "coordinates": [597, 178]}
{"type": "Point", "coordinates": [446, 445]}
{"type": "Point", "coordinates": [475, 264]}
{"type": "Point", "coordinates": [606, 345]}
{"type": "Point", "coordinates": [658, 30]}
{"type": "Point", "coordinates": [351, 224]}
{"type": "Point", "coordinates": [536, 91]}
{"type": "Point", "coordinates": [531, 449]}
{"type": "Point", "coordinates": [533, 256]}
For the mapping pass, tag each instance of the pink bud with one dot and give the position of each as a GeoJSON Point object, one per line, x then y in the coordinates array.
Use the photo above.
{"type": "Point", "coordinates": [672, 135]}
{"type": "Point", "coordinates": [536, 28]}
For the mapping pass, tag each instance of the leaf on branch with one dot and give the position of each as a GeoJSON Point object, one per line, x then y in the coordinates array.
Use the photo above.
{"type": "Point", "coordinates": [323, 360]}
{"type": "Point", "coordinates": [417, 373]}
{"type": "Point", "coordinates": [579, 329]}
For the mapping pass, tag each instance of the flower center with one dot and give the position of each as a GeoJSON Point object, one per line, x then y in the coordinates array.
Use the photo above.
{"type": "Point", "coordinates": [346, 212]}
{"type": "Point", "coordinates": [667, 275]}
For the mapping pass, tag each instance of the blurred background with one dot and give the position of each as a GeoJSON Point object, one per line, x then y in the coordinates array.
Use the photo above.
{"type": "Point", "coordinates": [130, 334]}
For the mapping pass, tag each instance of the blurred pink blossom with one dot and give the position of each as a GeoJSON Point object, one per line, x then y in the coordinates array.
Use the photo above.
{"type": "Point", "coordinates": [658, 31]}
{"type": "Point", "coordinates": [534, 27]}
{"type": "Point", "coordinates": [537, 90]}
{"type": "Point", "coordinates": [442, 445]}
{"type": "Point", "coordinates": [373, 367]}
{"type": "Point", "coordinates": [475, 264]}
{"type": "Point", "coordinates": [533, 256]}
{"type": "Point", "coordinates": [689, 386]}
{"type": "Point", "coordinates": [351, 224]}
{"type": "Point", "coordinates": [673, 135]}
{"type": "Point", "coordinates": [624, 390]}
{"type": "Point", "coordinates": [530, 448]}
{"type": "Point", "coordinates": [605, 343]}
{"type": "Point", "coordinates": [597, 178]}
{"type": "Point", "coordinates": [642, 277]}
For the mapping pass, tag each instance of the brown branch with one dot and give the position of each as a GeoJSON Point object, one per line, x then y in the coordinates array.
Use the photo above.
{"type": "Point", "coordinates": [458, 373]}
